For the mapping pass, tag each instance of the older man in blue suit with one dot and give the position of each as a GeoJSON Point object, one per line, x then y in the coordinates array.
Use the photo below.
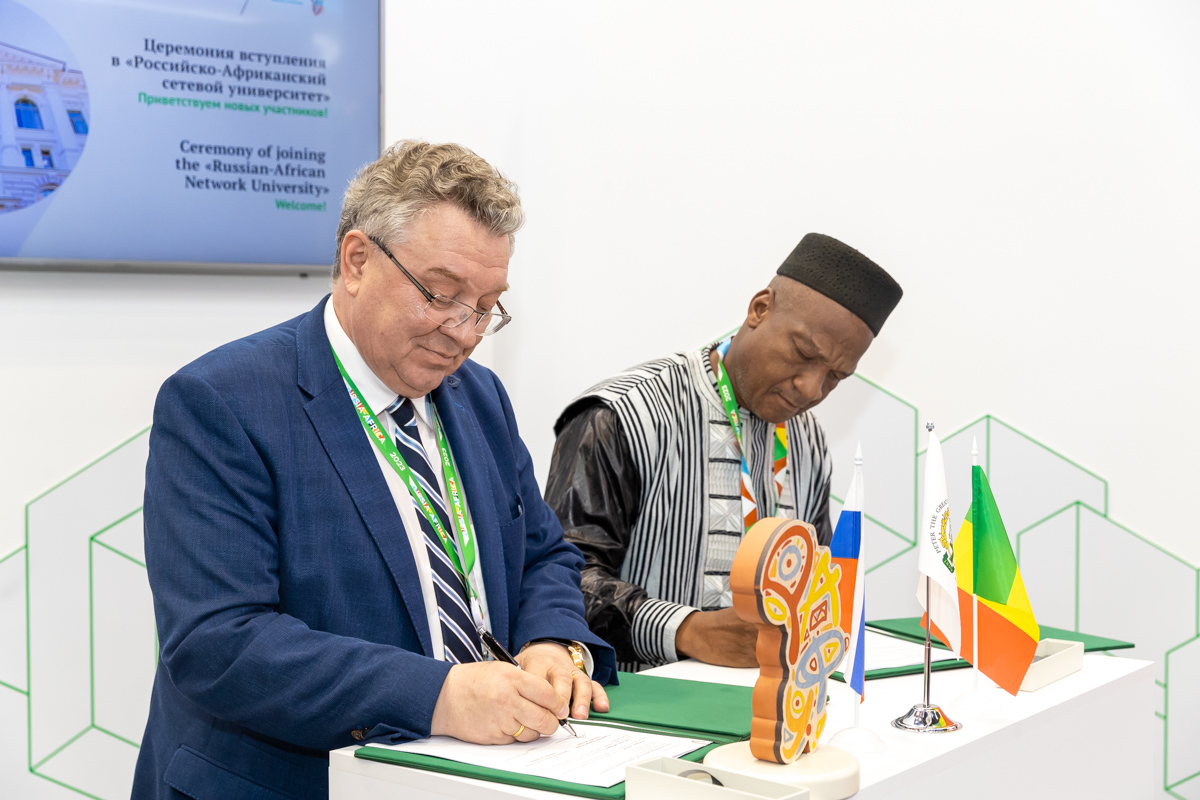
{"type": "Point", "coordinates": [339, 511]}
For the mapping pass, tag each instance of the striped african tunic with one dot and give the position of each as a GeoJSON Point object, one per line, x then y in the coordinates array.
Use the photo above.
{"type": "Point", "coordinates": [682, 547]}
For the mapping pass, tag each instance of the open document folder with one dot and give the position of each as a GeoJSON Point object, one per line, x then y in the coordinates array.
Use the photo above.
{"type": "Point", "coordinates": [597, 757]}
{"type": "Point", "coordinates": [650, 717]}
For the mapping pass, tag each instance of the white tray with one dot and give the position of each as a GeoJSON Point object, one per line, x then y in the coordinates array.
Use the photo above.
{"type": "Point", "coordinates": [1053, 659]}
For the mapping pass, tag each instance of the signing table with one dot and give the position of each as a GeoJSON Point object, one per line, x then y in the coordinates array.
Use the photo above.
{"type": "Point", "coordinates": [1088, 735]}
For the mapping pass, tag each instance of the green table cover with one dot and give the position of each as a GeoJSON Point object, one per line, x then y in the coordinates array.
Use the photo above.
{"type": "Point", "coordinates": [910, 628]}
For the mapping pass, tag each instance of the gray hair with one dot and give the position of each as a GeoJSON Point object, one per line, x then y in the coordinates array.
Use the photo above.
{"type": "Point", "coordinates": [410, 177]}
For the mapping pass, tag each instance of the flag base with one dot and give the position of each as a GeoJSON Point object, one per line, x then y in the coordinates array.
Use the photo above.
{"type": "Point", "coordinates": [926, 719]}
{"type": "Point", "coordinates": [827, 772]}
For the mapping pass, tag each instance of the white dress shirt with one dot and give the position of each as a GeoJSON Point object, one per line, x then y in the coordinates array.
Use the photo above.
{"type": "Point", "coordinates": [378, 397]}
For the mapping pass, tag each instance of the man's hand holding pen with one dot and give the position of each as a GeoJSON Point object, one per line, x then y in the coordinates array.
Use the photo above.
{"type": "Point", "coordinates": [492, 702]}
{"type": "Point", "coordinates": [551, 661]}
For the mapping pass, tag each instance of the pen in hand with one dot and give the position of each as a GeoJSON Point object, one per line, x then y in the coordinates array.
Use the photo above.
{"type": "Point", "coordinates": [500, 654]}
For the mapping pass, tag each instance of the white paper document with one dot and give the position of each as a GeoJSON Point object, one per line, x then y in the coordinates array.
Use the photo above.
{"type": "Point", "coordinates": [597, 758]}
{"type": "Point", "coordinates": [886, 652]}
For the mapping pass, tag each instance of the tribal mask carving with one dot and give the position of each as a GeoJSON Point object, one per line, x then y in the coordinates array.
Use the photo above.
{"type": "Point", "coordinates": [785, 583]}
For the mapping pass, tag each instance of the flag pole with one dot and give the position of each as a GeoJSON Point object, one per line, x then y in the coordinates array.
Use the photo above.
{"type": "Point", "coordinates": [928, 657]}
{"type": "Point", "coordinates": [974, 595]}
{"type": "Point", "coordinates": [862, 552]}
{"type": "Point", "coordinates": [858, 739]}
{"type": "Point", "coordinates": [925, 717]}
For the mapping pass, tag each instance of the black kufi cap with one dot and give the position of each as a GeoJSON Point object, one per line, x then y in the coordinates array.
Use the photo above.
{"type": "Point", "coordinates": [845, 276]}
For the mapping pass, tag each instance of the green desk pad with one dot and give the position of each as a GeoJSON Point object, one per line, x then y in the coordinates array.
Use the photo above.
{"type": "Point", "coordinates": [692, 709]}
{"type": "Point", "coordinates": [910, 628]}
{"type": "Point", "coordinates": [689, 708]}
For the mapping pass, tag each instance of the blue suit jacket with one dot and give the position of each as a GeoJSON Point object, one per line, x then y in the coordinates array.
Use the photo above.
{"type": "Point", "coordinates": [287, 600]}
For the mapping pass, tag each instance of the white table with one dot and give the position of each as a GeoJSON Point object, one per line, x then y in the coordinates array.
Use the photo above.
{"type": "Point", "coordinates": [1088, 735]}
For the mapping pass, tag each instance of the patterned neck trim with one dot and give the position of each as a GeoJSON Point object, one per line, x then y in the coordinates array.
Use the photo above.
{"type": "Point", "coordinates": [706, 360]}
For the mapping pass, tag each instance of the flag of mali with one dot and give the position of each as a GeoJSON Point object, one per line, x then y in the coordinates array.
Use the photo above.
{"type": "Point", "coordinates": [986, 569]}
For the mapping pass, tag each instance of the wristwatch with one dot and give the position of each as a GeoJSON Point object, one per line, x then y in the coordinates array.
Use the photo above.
{"type": "Point", "coordinates": [574, 649]}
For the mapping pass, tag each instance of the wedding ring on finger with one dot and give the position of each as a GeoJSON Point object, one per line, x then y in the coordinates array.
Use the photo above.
{"type": "Point", "coordinates": [520, 730]}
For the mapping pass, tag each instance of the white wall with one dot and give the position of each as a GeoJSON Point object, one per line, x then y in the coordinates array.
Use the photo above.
{"type": "Point", "coordinates": [82, 357]}
{"type": "Point", "coordinates": [1027, 170]}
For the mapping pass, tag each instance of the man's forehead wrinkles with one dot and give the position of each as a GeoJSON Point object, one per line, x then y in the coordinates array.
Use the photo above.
{"type": "Point", "coordinates": [445, 273]}
{"type": "Point", "coordinates": [452, 275]}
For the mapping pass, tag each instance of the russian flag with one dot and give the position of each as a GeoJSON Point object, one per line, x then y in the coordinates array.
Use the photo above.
{"type": "Point", "coordinates": [846, 550]}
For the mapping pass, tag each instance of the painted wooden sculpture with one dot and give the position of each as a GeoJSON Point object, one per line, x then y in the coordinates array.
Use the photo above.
{"type": "Point", "coordinates": [786, 584]}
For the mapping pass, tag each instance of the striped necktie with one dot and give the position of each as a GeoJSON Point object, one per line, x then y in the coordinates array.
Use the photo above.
{"type": "Point", "coordinates": [459, 637]}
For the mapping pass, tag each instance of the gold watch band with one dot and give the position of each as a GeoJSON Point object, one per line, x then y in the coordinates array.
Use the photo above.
{"type": "Point", "coordinates": [576, 651]}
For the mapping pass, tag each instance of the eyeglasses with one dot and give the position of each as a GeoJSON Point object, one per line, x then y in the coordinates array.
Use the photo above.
{"type": "Point", "coordinates": [448, 312]}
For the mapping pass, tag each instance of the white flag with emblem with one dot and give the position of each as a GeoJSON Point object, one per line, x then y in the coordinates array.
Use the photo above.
{"type": "Point", "coordinates": [935, 551]}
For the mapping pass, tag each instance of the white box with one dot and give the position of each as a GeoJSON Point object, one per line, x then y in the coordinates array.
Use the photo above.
{"type": "Point", "coordinates": [1053, 659]}
{"type": "Point", "coordinates": [658, 779]}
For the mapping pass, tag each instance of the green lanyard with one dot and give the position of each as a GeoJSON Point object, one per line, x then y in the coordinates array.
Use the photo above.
{"type": "Point", "coordinates": [466, 536]}
{"type": "Point", "coordinates": [725, 389]}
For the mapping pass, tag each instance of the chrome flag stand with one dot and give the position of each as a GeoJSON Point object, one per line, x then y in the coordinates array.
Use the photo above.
{"type": "Point", "coordinates": [924, 717]}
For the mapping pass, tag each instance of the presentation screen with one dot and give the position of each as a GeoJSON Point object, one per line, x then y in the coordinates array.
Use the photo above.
{"type": "Point", "coordinates": [207, 135]}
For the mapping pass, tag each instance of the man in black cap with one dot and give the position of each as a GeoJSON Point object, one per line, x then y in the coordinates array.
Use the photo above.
{"type": "Point", "coordinates": [659, 471]}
